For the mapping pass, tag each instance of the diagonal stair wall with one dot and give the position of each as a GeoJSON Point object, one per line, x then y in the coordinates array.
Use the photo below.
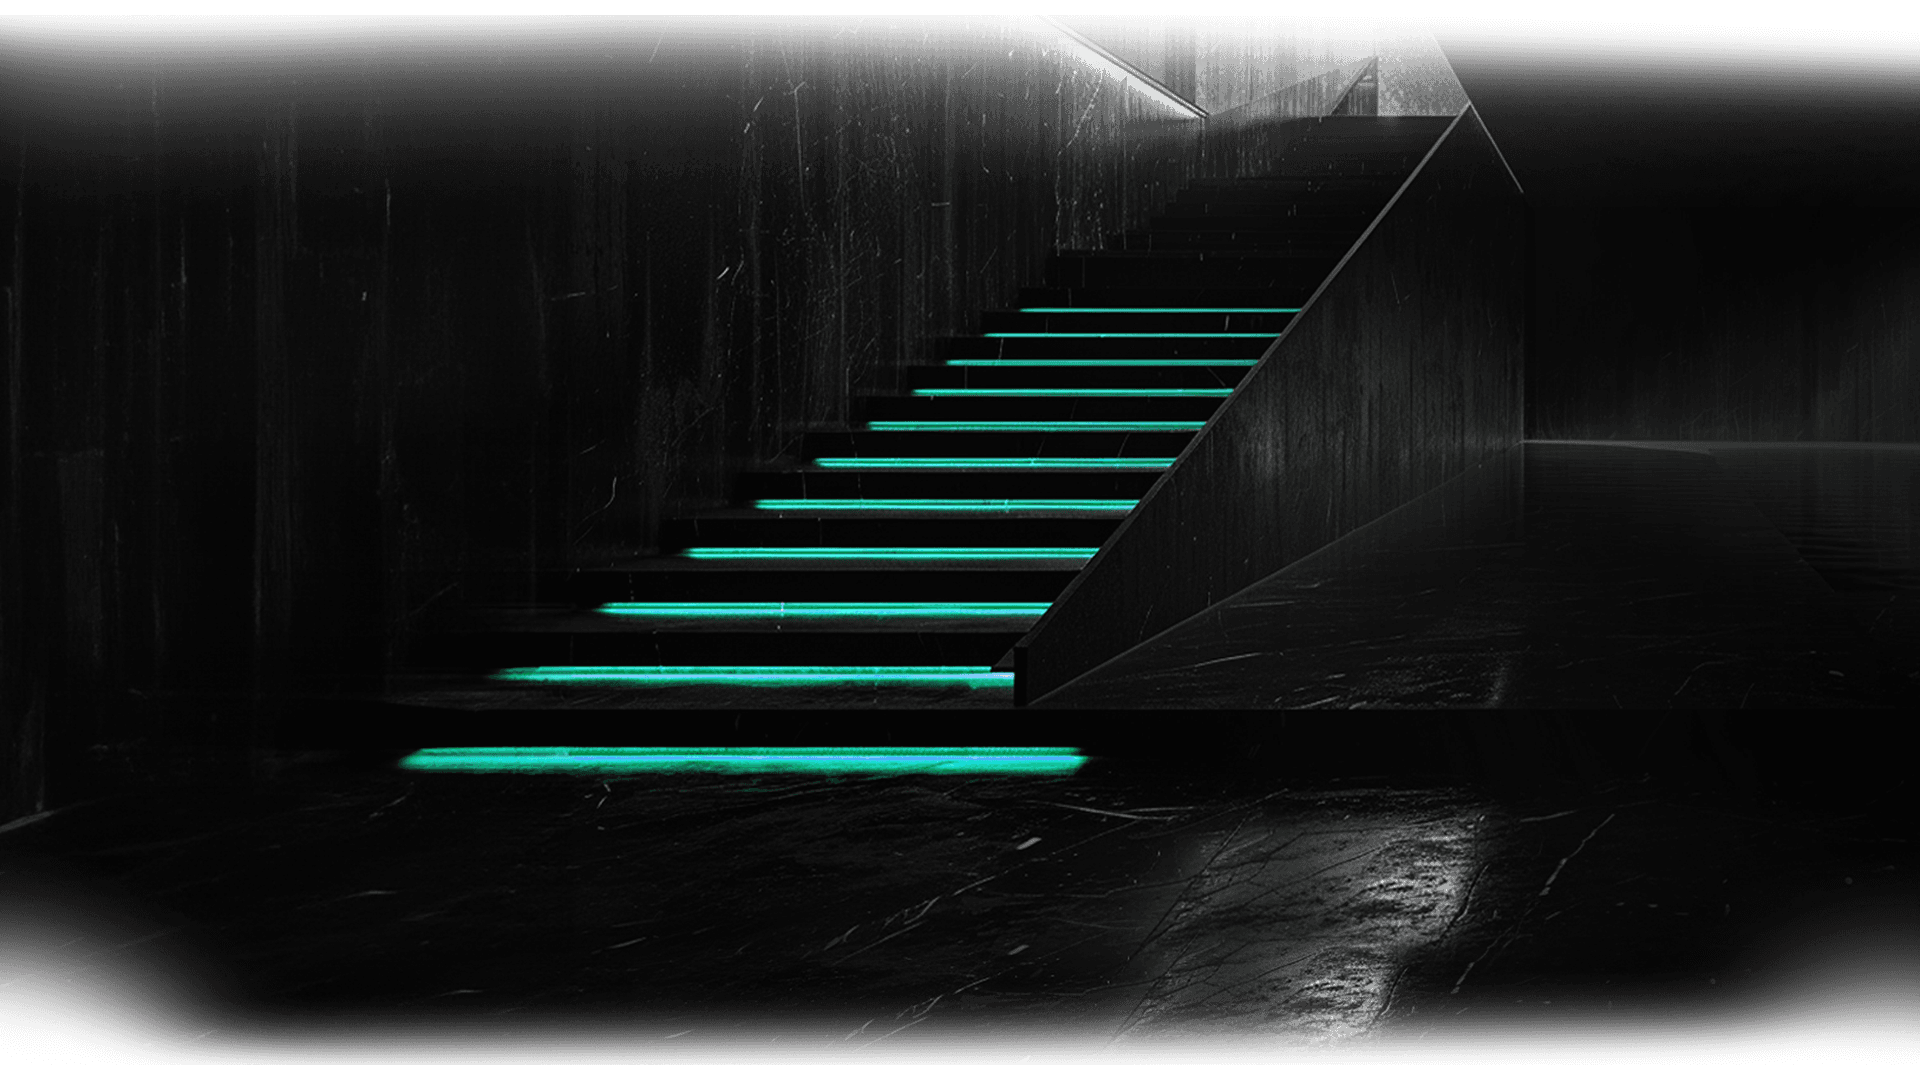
{"type": "Point", "coordinates": [1401, 371]}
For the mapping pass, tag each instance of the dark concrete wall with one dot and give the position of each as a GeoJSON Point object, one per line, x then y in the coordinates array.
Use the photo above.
{"type": "Point", "coordinates": [1725, 244]}
{"type": "Point", "coordinates": [1765, 323]}
{"type": "Point", "coordinates": [1402, 371]}
{"type": "Point", "coordinates": [305, 340]}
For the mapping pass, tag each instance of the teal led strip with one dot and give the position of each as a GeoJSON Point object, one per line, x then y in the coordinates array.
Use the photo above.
{"type": "Point", "coordinates": [944, 553]}
{"type": "Point", "coordinates": [1061, 334]}
{"type": "Point", "coordinates": [818, 759]}
{"type": "Point", "coordinates": [1052, 361]}
{"type": "Point", "coordinates": [1076, 392]}
{"type": "Point", "coordinates": [942, 506]}
{"type": "Point", "coordinates": [1035, 425]}
{"type": "Point", "coordinates": [671, 675]}
{"type": "Point", "coordinates": [993, 463]}
{"type": "Point", "coordinates": [1162, 310]}
{"type": "Point", "coordinates": [824, 609]}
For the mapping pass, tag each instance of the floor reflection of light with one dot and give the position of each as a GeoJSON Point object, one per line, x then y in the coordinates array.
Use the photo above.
{"type": "Point", "coordinates": [1297, 924]}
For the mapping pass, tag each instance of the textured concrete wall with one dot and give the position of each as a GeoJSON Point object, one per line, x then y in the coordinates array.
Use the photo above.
{"type": "Point", "coordinates": [1402, 371]}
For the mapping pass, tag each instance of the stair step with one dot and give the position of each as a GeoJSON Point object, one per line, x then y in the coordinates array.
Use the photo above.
{"type": "Point", "coordinates": [1166, 296]}
{"type": "Point", "coordinates": [929, 484]}
{"type": "Point", "coordinates": [748, 528]}
{"type": "Point", "coordinates": [923, 447]}
{"type": "Point", "coordinates": [779, 645]}
{"type": "Point", "coordinates": [691, 579]}
{"type": "Point", "coordinates": [1091, 376]}
{"type": "Point", "coordinates": [988, 404]}
{"type": "Point", "coordinates": [1081, 270]}
{"type": "Point", "coordinates": [1270, 320]}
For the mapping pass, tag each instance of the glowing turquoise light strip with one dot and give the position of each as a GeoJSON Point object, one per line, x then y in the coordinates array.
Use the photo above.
{"type": "Point", "coordinates": [993, 463]}
{"type": "Point", "coordinates": [1058, 334]}
{"type": "Point", "coordinates": [817, 759]}
{"type": "Point", "coordinates": [1052, 361]}
{"type": "Point", "coordinates": [1164, 310]}
{"type": "Point", "coordinates": [962, 553]}
{"type": "Point", "coordinates": [1065, 391]}
{"type": "Point", "coordinates": [825, 609]}
{"type": "Point", "coordinates": [774, 676]}
{"type": "Point", "coordinates": [941, 506]}
{"type": "Point", "coordinates": [1035, 425]}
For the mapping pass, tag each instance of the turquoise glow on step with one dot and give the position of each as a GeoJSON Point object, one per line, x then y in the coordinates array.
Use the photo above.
{"type": "Point", "coordinates": [1052, 361]}
{"type": "Point", "coordinates": [825, 609]}
{"type": "Point", "coordinates": [1075, 392]}
{"type": "Point", "coordinates": [961, 554]}
{"type": "Point", "coordinates": [1035, 425]}
{"type": "Point", "coordinates": [1118, 334]}
{"type": "Point", "coordinates": [993, 463]}
{"type": "Point", "coordinates": [945, 506]}
{"type": "Point", "coordinates": [1043, 760]}
{"type": "Point", "coordinates": [768, 676]}
{"type": "Point", "coordinates": [1161, 310]}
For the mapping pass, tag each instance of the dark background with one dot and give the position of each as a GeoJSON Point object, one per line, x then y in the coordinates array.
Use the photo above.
{"type": "Point", "coordinates": [1724, 248]}
{"type": "Point", "coordinates": [297, 342]}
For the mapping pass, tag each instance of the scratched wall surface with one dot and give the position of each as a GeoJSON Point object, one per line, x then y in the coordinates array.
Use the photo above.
{"type": "Point", "coordinates": [892, 189]}
{"type": "Point", "coordinates": [1402, 371]}
{"type": "Point", "coordinates": [306, 327]}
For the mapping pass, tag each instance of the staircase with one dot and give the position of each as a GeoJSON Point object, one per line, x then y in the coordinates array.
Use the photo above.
{"type": "Point", "coordinates": [895, 560]}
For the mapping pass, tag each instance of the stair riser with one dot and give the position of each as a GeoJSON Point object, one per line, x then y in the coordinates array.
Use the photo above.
{"type": "Point", "coordinates": [1151, 444]}
{"type": "Point", "coordinates": [1185, 271]}
{"type": "Point", "coordinates": [825, 583]}
{"type": "Point", "coordinates": [1216, 377]}
{"type": "Point", "coordinates": [984, 530]}
{"type": "Point", "coordinates": [1116, 348]}
{"type": "Point", "coordinates": [481, 653]}
{"type": "Point", "coordinates": [983, 409]}
{"type": "Point", "coordinates": [1157, 322]}
{"type": "Point", "coordinates": [868, 484]}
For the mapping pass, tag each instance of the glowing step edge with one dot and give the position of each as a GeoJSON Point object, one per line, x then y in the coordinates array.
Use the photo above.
{"type": "Point", "coordinates": [773, 676]}
{"type": "Point", "coordinates": [824, 609]}
{"type": "Point", "coordinates": [985, 463]}
{"type": "Point", "coordinates": [1053, 361]}
{"type": "Point", "coordinates": [1035, 425]}
{"type": "Point", "coordinates": [961, 554]}
{"type": "Point", "coordinates": [1080, 392]}
{"type": "Point", "coordinates": [1061, 760]}
{"type": "Point", "coordinates": [1161, 310]}
{"type": "Point", "coordinates": [949, 506]}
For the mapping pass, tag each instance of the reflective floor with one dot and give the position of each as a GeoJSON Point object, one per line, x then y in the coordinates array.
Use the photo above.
{"type": "Point", "coordinates": [1130, 902]}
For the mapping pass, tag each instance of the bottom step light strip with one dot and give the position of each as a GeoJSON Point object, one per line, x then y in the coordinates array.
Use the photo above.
{"type": "Point", "coordinates": [945, 506]}
{"type": "Point", "coordinates": [771, 676]}
{"type": "Point", "coordinates": [1057, 760]}
{"type": "Point", "coordinates": [824, 609]}
{"type": "Point", "coordinates": [940, 554]}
